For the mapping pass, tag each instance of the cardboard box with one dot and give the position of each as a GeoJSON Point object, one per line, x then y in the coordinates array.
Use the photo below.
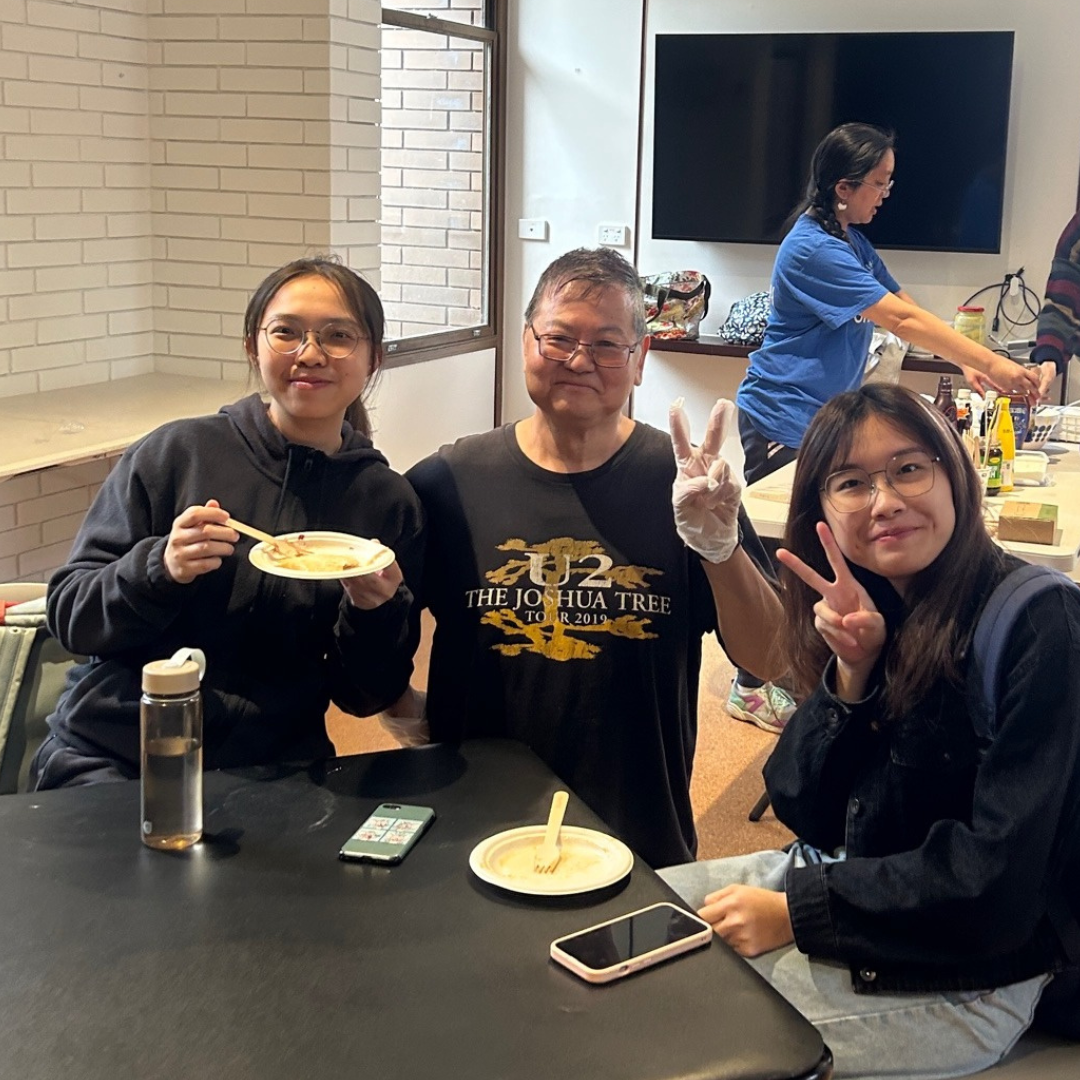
{"type": "Point", "coordinates": [1028, 522]}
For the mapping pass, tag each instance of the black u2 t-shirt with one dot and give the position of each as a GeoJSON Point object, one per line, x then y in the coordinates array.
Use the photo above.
{"type": "Point", "coordinates": [569, 615]}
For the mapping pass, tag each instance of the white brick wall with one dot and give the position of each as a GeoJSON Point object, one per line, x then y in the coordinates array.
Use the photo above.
{"type": "Point", "coordinates": [158, 158]}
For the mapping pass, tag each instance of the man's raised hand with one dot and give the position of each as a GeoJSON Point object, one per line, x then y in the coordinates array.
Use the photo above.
{"type": "Point", "coordinates": [705, 495]}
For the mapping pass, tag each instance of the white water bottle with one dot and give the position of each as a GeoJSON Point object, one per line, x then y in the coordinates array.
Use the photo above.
{"type": "Point", "coordinates": [171, 737]}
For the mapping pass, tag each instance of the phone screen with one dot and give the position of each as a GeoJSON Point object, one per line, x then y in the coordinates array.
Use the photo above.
{"type": "Point", "coordinates": [636, 934]}
{"type": "Point", "coordinates": [389, 833]}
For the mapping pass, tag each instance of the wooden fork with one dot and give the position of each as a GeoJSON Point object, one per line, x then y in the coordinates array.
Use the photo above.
{"type": "Point", "coordinates": [276, 546]}
{"type": "Point", "coordinates": [548, 853]}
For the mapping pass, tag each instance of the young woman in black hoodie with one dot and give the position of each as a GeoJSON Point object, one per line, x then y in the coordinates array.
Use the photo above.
{"type": "Point", "coordinates": [155, 567]}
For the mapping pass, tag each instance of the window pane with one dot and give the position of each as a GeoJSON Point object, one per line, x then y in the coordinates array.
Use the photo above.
{"type": "Point", "coordinates": [435, 157]}
{"type": "Point", "coordinates": [464, 11]}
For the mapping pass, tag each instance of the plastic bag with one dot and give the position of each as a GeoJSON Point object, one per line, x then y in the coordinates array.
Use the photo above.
{"type": "Point", "coordinates": [746, 321]}
{"type": "Point", "coordinates": [675, 303]}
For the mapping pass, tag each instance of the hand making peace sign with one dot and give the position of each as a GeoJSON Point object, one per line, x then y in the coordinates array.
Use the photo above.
{"type": "Point", "coordinates": [845, 616]}
{"type": "Point", "coordinates": [705, 495]}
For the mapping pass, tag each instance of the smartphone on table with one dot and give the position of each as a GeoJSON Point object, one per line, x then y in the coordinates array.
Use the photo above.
{"type": "Point", "coordinates": [631, 942]}
{"type": "Point", "coordinates": [389, 834]}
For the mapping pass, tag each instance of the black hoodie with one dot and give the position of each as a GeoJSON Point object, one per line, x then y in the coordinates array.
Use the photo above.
{"type": "Point", "coordinates": [278, 649]}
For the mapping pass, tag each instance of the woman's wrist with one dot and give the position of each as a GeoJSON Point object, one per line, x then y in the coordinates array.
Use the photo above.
{"type": "Point", "coordinates": [851, 681]}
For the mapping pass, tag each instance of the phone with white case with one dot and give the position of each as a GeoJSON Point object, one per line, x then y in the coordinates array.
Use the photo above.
{"type": "Point", "coordinates": [619, 947]}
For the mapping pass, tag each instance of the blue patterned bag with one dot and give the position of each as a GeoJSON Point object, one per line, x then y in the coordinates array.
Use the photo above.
{"type": "Point", "coordinates": [745, 324]}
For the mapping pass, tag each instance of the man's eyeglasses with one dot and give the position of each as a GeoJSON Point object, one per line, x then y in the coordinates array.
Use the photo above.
{"type": "Point", "coordinates": [909, 473]}
{"type": "Point", "coordinates": [886, 187]}
{"type": "Point", "coordinates": [337, 340]}
{"type": "Point", "coordinates": [562, 349]}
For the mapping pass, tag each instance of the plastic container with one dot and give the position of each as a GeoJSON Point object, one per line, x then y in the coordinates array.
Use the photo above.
{"type": "Point", "coordinates": [971, 322]}
{"type": "Point", "coordinates": [1021, 419]}
{"type": "Point", "coordinates": [170, 713]}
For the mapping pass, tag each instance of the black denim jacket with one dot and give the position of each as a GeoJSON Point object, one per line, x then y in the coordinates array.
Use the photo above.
{"type": "Point", "coordinates": [963, 860]}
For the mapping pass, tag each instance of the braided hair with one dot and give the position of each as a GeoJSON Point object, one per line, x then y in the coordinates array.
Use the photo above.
{"type": "Point", "coordinates": [848, 152]}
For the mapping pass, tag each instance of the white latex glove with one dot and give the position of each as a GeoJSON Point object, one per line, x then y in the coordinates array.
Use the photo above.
{"type": "Point", "coordinates": [706, 493]}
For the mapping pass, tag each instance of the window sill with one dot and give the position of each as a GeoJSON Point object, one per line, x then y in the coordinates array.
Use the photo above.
{"type": "Point", "coordinates": [80, 423]}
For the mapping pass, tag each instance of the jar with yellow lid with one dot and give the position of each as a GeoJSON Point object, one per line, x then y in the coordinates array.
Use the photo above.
{"type": "Point", "coordinates": [971, 322]}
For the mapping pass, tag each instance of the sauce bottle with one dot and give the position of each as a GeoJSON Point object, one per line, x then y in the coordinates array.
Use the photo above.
{"type": "Point", "coordinates": [1006, 438]}
{"type": "Point", "coordinates": [993, 464]}
{"type": "Point", "coordinates": [944, 402]}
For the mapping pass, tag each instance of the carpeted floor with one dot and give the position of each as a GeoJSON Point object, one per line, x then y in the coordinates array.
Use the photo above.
{"type": "Point", "coordinates": [727, 766]}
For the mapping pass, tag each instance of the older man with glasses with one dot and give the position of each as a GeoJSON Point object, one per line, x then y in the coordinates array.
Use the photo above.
{"type": "Point", "coordinates": [569, 610]}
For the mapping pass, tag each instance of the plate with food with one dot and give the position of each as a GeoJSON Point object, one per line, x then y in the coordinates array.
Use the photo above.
{"type": "Point", "coordinates": [588, 860]}
{"type": "Point", "coordinates": [320, 556]}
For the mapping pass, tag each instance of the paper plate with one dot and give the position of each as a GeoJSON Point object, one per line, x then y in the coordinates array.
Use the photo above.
{"type": "Point", "coordinates": [368, 555]}
{"type": "Point", "coordinates": [590, 860]}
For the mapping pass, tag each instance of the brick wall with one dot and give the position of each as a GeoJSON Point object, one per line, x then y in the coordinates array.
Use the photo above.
{"type": "Point", "coordinates": [158, 158]}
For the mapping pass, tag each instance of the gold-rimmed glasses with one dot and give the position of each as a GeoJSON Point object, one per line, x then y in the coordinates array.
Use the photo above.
{"type": "Point", "coordinates": [336, 339]}
{"type": "Point", "coordinates": [909, 473]}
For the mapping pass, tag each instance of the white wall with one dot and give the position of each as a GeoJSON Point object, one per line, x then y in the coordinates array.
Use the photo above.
{"type": "Point", "coordinates": [572, 114]}
{"type": "Point", "coordinates": [418, 407]}
{"type": "Point", "coordinates": [573, 124]}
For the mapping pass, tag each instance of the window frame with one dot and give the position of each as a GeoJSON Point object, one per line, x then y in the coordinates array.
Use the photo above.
{"type": "Point", "coordinates": [486, 335]}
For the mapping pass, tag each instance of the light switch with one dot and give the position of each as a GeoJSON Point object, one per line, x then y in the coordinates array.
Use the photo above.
{"type": "Point", "coordinates": [532, 229]}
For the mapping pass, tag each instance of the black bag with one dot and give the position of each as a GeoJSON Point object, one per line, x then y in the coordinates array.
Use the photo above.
{"type": "Point", "coordinates": [746, 321]}
{"type": "Point", "coordinates": [1058, 1010]}
{"type": "Point", "coordinates": [675, 303]}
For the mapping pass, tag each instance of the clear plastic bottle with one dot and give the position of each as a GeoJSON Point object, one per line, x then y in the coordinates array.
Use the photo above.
{"type": "Point", "coordinates": [170, 712]}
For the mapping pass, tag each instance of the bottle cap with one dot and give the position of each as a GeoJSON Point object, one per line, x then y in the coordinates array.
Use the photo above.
{"type": "Point", "coordinates": [180, 674]}
{"type": "Point", "coordinates": [165, 677]}
{"type": "Point", "coordinates": [964, 307]}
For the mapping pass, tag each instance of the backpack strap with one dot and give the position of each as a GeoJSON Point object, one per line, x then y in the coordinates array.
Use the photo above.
{"type": "Point", "coordinates": [1012, 595]}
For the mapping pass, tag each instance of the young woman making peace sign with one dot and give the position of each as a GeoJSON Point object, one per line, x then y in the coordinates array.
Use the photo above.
{"type": "Point", "coordinates": [935, 886]}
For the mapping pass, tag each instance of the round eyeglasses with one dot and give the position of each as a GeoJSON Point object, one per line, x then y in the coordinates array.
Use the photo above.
{"type": "Point", "coordinates": [908, 473]}
{"type": "Point", "coordinates": [337, 340]}
{"type": "Point", "coordinates": [562, 349]}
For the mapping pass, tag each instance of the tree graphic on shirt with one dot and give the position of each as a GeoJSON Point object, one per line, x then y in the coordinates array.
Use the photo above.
{"type": "Point", "coordinates": [558, 566]}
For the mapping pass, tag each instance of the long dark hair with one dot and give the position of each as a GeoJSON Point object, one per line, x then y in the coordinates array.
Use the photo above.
{"type": "Point", "coordinates": [360, 298]}
{"type": "Point", "coordinates": [941, 599]}
{"type": "Point", "coordinates": [848, 152]}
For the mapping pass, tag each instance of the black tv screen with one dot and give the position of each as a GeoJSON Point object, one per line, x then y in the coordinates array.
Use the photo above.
{"type": "Point", "coordinates": [737, 117]}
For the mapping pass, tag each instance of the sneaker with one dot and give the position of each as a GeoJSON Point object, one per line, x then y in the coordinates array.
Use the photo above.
{"type": "Point", "coordinates": [783, 704]}
{"type": "Point", "coordinates": [768, 706]}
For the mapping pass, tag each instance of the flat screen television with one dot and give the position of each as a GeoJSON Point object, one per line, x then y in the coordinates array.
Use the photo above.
{"type": "Point", "coordinates": [737, 116]}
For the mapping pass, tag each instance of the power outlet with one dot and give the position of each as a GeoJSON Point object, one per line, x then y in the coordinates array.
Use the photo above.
{"type": "Point", "coordinates": [532, 229]}
{"type": "Point", "coordinates": [613, 235]}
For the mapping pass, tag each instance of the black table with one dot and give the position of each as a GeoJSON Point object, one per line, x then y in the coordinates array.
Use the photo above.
{"type": "Point", "coordinates": [259, 954]}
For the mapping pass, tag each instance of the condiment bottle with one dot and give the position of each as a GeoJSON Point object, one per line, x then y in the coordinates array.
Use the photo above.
{"type": "Point", "coordinates": [1007, 440]}
{"type": "Point", "coordinates": [944, 402]}
{"type": "Point", "coordinates": [985, 423]}
{"type": "Point", "coordinates": [993, 464]}
{"type": "Point", "coordinates": [170, 713]}
{"type": "Point", "coordinates": [1021, 419]}
{"type": "Point", "coordinates": [963, 409]}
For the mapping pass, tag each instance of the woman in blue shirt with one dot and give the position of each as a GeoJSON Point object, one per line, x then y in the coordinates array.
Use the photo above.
{"type": "Point", "coordinates": [829, 290]}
